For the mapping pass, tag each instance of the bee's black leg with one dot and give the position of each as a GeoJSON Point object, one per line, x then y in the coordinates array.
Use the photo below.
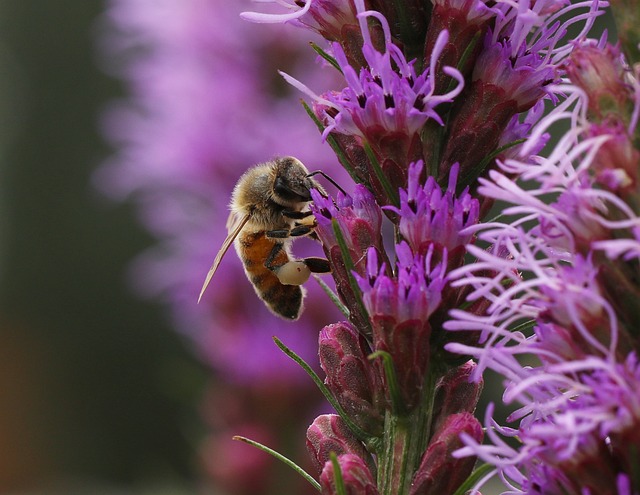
{"type": "Point", "coordinates": [300, 230]}
{"type": "Point", "coordinates": [278, 234]}
{"type": "Point", "coordinates": [296, 215]}
{"type": "Point", "coordinates": [297, 231]}
{"type": "Point", "coordinates": [317, 265]}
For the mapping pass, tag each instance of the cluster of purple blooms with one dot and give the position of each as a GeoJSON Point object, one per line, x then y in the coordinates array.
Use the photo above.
{"type": "Point", "coordinates": [439, 120]}
{"type": "Point", "coordinates": [442, 116]}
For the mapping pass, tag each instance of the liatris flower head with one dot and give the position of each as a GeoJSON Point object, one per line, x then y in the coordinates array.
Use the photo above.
{"type": "Point", "coordinates": [433, 98]}
{"type": "Point", "coordinates": [433, 219]}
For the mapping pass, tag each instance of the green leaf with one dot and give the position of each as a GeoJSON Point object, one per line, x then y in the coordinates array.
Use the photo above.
{"type": "Point", "coordinates": [326, 56]}
{"type": "Point", "coordinates": [391, 193]}
{"type": "Point", "coordinates": [473, 479]}
{"type": "Point", "coordinates": [392, 380]}
{"type": "Point", "coordinates": [349, 266]}
{"type": "Point", "coordinates": [281, 458]}
{"type": "Point", "coordinates": [333, 296]}
{"type": "Point", "coordinates": [337, 475]}
{"type": "Point", "coordinates": [357, 431]}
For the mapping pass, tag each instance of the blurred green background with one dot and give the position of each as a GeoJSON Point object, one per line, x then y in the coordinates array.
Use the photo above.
{"type": "Point", "coordinates": [97, 393]}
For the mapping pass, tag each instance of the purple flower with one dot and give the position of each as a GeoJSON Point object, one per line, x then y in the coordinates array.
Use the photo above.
{"type": "Point", "coordinates": [429, 216]}
{"type": "Point", "coordinates": [399, 310]}
{"type": "Point", "coordinates": [570, 273]}
{"type": "Point", "coordinates": [358, 220]}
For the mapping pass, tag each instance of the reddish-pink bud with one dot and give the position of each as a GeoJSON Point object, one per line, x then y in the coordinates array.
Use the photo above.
{"type": "Point", "coordinates": [356, 477]}
{"type": "Point", "coordinates": [439, 472]}
{"type": "Point", "coordinates": [356, 382]}
{"type": "Point", "coordinates": [329, 433]}
{"type": "Point", "coordinates": [456, 393]}
{"type": "Point", "coordinates": [598, 70]}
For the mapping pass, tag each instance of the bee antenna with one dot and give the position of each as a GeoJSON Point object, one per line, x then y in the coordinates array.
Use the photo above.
{"type": "Point", "coordinates": [320, 172]}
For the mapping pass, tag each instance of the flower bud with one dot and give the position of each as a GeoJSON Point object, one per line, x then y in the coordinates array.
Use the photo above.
{"type": "Point", "coordinates": [440, 473]}
{"type": "Point", "coordinates": [356, 382]}
{"type": "Point", "coordinates": [356, 477]}
{"type": "Point", "coordinates": [329, 433]}
{"type": "Point", "coordinates": [599, 72]}
{"type": "Point", "coordinates": [456, 393]}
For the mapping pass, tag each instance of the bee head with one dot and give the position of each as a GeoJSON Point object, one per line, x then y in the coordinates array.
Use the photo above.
{"type": "Point", "coordinates": [291, 184]}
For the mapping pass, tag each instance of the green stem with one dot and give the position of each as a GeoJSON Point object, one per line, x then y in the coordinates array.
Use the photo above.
{"type": "Point", "coordinates": [405, 441]}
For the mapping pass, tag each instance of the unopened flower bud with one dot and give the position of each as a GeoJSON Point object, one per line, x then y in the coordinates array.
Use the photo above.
{"type": "Point", "coordinates": [329, 433]}
{"type": "Point", "coordinates": [456, 393]}
{"type": "Point", "coordinates": [439, 472]}
{"type": "Point", "coordinates": [599, 72]}
{"type": "Point", "coordinates": [356, 382]}
{"type": "Point", "coordinates": [356, 477]}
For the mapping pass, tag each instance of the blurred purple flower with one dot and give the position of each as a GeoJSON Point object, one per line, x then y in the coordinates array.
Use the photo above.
{"type": "Point", "coordinates": [205, 103]}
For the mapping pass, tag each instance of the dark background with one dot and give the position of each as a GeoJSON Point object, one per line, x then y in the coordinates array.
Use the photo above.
{"type": "Point", "coordinates": [96, 391]}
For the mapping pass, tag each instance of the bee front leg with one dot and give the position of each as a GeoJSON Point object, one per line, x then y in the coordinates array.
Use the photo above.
{"type": "Point", "coordinates": [296, 215]}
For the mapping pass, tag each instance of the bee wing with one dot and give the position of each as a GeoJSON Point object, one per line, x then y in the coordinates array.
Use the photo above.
{"type": "Point", "coordinates": [235, 223]}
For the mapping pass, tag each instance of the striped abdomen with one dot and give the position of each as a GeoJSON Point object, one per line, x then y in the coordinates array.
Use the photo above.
{"type": "Point", "coordinates": [253, 249]}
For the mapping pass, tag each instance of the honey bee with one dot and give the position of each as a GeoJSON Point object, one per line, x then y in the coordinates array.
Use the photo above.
{"type": "Point", "coordinates": [269, 209]}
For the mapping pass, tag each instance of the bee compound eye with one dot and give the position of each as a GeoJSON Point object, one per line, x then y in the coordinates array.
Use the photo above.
{"type": "Point", "coordinates": [293, 273]}
{"type": "Point", "coordinates": [286, 191]}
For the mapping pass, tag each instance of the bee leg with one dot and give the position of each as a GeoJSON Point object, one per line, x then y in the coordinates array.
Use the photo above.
{"type": "Point", "coordinates": [297, 231]}
{"type": "Point", "coordinates": [317, 265]}
{"type": "Point", "coordinates": [301, 217]}
{"type": "Point", "coordinates": [277, 234]}
{"type": "Point", "coordinates": [294, 272]}
{"type": "Point", "coordinates": [300, 230]}
{"type": "Point", "coordinates": [296, 215]}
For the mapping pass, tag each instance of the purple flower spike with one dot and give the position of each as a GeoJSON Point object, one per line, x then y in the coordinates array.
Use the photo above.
{"type": "Point", "coordinates": [355, 381]}
{"type": "Point", "coordinates": [329, 433]}
{"type": "Point", "coordinates": [356, 477]}
{"type": "Point", "coordinates": [439, 472]}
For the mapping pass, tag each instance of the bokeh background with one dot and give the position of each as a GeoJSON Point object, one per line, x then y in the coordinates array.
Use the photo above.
{"type": "Point", "coordinates": [97, 392]}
